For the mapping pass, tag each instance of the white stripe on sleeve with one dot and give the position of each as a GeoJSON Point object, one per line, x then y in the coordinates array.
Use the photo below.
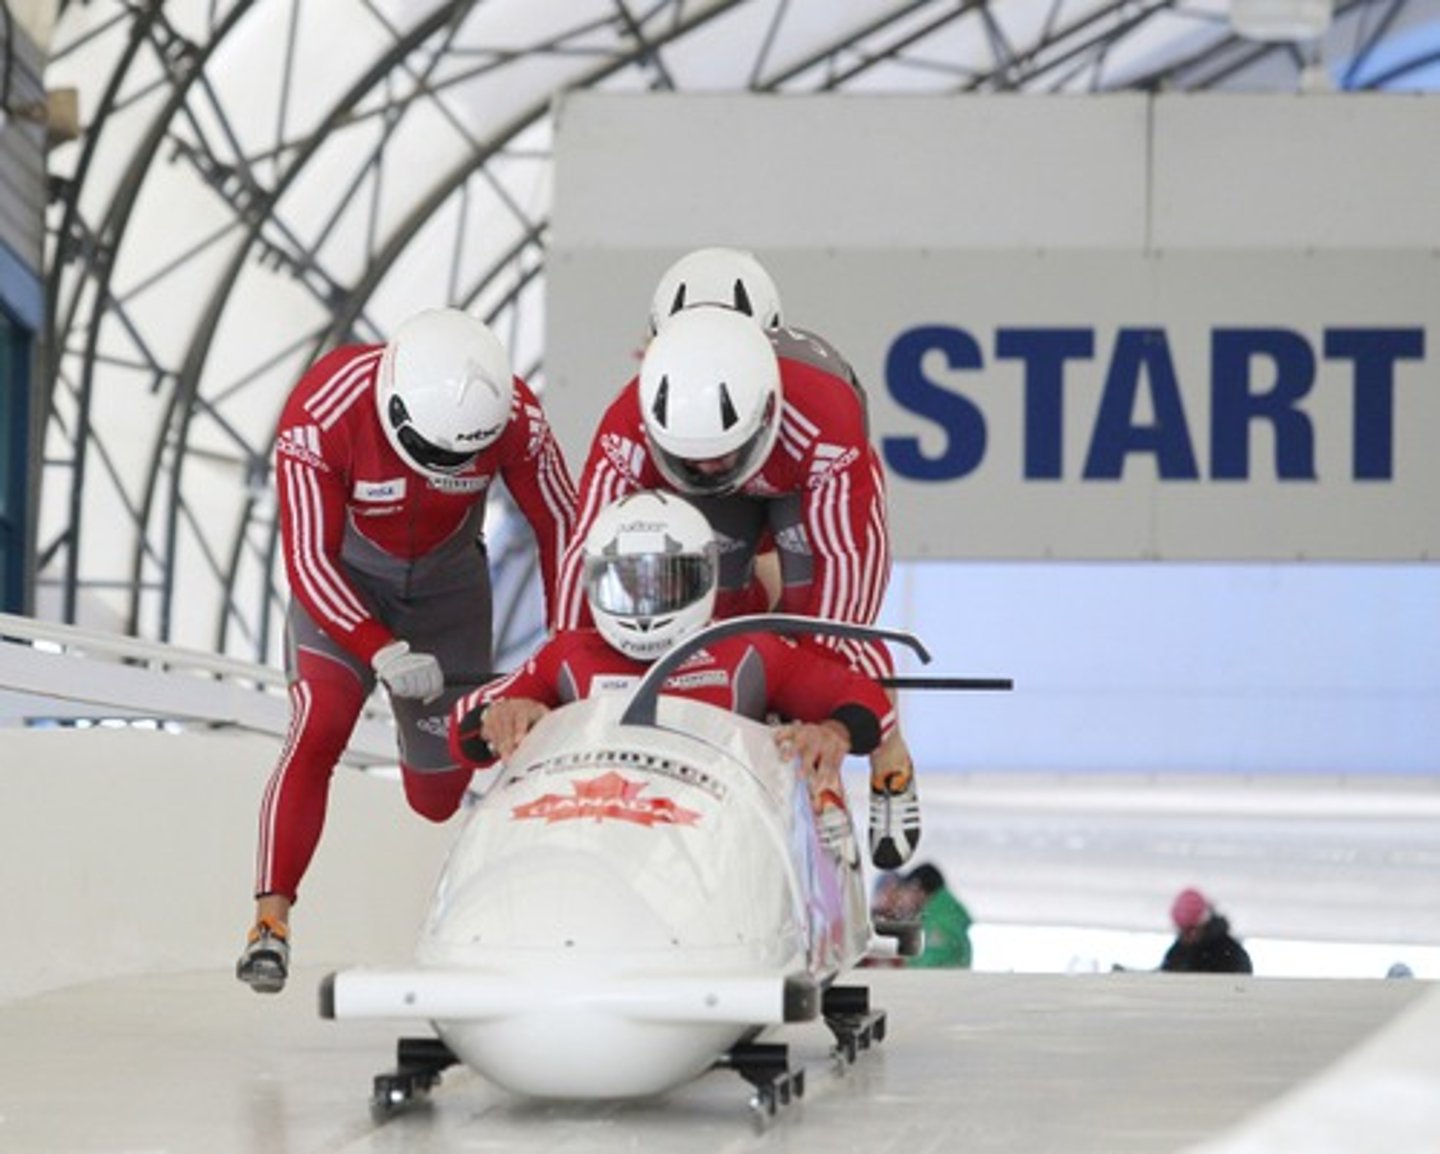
{"type": "Point", "coordinates": [316, 573]}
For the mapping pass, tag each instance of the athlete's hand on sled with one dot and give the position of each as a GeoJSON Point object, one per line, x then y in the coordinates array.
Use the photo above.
{"type": "Point", "coordinates": [820, 747]}
{"type": "Point", "coordinates": [505, 723]}
{"type": "Point", "coordinates": [407, 674]}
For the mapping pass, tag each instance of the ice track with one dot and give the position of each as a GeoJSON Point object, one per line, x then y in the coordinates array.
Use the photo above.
{"type": "Point", "coordinates": [1085, 1064]}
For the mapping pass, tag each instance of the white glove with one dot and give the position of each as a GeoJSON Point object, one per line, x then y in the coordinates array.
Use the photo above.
{"type": "Point", "coordinates": [407, 674]}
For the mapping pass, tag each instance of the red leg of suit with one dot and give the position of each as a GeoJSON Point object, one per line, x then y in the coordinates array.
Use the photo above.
{"type": "Point", "coordinates": [325, 702]}
{"type": "Point", "coordinates": [435, 795]}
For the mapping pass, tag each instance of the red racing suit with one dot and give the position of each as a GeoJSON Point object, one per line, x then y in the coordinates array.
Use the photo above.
{"type": "Point", "coordinates": [820, 496]}
{"type": "Point", "coordinates": [374, 552]}
{"type": "Point", "coordinates": [752, 674]}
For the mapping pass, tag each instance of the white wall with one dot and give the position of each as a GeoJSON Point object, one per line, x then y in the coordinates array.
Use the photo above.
{"type": "Point", "coordinates": [132, 851]}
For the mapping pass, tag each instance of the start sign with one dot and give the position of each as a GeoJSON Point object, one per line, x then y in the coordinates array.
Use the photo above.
{"type": "Point", "coordinates": [1260, 376]}
{"type": "Point", "coordinates": [1198, 406]}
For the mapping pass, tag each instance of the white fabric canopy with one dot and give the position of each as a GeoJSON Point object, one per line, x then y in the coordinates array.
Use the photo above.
{"type": "Point", "coordinates": [260, 178]}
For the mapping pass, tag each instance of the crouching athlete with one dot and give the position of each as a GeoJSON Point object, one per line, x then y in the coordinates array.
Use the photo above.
{"type": "Point", "coordinates": [651, 570]}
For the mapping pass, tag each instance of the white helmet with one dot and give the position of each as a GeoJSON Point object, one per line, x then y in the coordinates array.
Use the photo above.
{"type": "Point", "coordinates": [651, 570]}
{"type": "Point", "coordinates": [717, 276]}
{"type": "Point", "coordinates": [710, 400]}
{"type": "Point", "coordinates": [444, 390]}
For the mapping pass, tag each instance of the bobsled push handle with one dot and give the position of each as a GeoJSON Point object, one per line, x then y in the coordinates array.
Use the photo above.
{"type": "Point", "coordinates": [642, 707]}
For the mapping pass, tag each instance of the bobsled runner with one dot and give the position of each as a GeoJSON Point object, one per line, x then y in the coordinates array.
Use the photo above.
{"type": "Point", "coordinates": [638, 897]}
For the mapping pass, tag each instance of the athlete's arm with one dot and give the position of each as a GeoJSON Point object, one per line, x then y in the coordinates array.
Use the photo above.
{"type": "Point", "coordinates": [539, 479]}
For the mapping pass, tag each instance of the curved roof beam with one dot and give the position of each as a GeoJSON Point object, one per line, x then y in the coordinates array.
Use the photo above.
{"type": "Point", "coordinates": [200, 401]}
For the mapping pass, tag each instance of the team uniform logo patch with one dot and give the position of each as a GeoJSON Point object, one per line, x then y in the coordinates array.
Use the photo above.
{"type": "Point", "coordinates": [302, 444]}
{"type": "Point", "coordinates": [459, 484]}
{"type": "Point", "coordinates": [623, 453]}
{"type": "Point", "coordinates": [380, 491]}
{"type": "Point", "coordinates": [829, 461]}
{"type": "Point", "coordinates": [611, 683]}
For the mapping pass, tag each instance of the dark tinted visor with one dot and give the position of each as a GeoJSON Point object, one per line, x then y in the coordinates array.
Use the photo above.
{"type": "Point", "coordinates": [421, 451]}
{"type": "Point", "coordinates": [717, 476]}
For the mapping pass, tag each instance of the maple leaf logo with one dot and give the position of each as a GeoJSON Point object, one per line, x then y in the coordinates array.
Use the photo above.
{"type": "Point", "coordinates": [608, 796]}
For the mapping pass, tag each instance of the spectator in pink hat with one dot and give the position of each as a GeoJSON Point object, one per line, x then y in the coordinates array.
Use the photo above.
{"type": "Point", "coordinates": [1204, 943]}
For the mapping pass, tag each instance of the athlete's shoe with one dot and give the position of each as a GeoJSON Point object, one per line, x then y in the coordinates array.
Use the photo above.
{"type": "Point", "coordinates": [894, 820]}
{"type": "Point", "coordinates": [835, 829]}
{"type": "Point", "coordinates": [266, 961]}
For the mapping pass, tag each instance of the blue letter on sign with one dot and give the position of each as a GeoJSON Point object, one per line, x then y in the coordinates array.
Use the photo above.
{"type": "Point", "coordinates": [1235, 404]}
{"type": "Point", "coordinates": [1141, 352]}
{"type": "Point", "coordinates": [959, 418]}
{"type": "Point", "coordinates": [1044, 352]}
{"type": "Point", "coordinates": [1374, 352]}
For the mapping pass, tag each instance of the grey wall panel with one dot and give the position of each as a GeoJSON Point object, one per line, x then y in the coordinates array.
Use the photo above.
{"type": "Point", "coordinates": [1324, 171]}
{"type": "Point", "coordinates": [22, 150]}
{"type": "Point", "coordinates": [870, 172]}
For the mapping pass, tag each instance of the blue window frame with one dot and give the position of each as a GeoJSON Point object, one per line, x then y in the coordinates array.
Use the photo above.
{"type": "Point", "coordinates": [19, 316]}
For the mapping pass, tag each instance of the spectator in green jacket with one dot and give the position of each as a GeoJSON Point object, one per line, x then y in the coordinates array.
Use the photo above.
{"type": "Point", "coordinates": [944, 921]}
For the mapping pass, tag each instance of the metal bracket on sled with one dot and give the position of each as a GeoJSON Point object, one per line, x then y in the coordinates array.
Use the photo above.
{"type": "Point", "coordinates": [766, 1066]}
{"type": "Point", "coordinates": [847, 1012]}
{"type": "Point", "coordinates": [418, 1065]}
{"type": "Point", "coordinates": [909, 935]}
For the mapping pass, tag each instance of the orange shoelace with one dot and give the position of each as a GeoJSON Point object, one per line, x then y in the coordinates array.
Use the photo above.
{"type": "Point", "coordinates": [893, 780]}
{"type": "Point", "coordinates": [271, 926]}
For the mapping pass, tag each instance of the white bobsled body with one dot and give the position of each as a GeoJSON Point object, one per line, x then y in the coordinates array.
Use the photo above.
{"type": "Point", "coordinates": [625, 903]}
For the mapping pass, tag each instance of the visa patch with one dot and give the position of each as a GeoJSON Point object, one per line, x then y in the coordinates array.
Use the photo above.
{"type": "Point", "coordinates": [611, 683]}
{"type": "Point", "coordinates": [379, 492]}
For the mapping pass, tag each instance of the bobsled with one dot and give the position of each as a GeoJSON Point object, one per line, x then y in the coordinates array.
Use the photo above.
{"type": "Point", "coordinates": [640, 894]}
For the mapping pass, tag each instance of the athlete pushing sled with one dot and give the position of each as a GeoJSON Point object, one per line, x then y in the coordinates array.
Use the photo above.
{"type": "Point", "coordinates": [643, 889]}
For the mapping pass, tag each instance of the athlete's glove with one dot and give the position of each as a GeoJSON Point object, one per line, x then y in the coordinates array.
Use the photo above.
{"type": "Point", "coordinates": [407, 674]}
{"type": "Point", "coordinates": [467, 731]}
